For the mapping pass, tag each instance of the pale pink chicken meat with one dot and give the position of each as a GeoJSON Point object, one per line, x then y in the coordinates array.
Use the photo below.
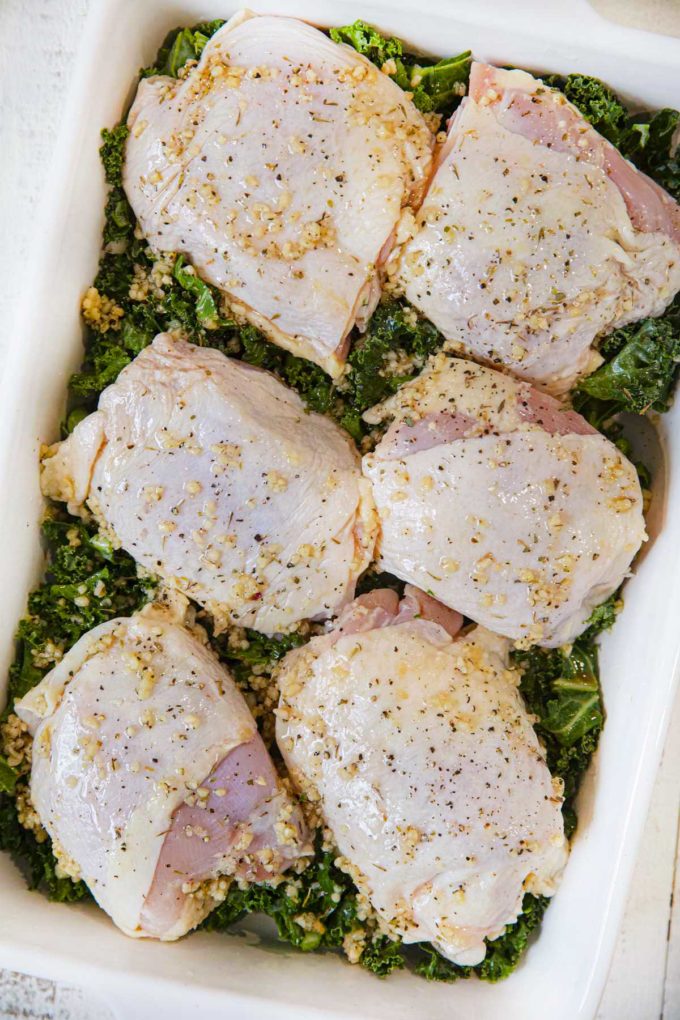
{"type": "Point", "coordinates": [213, 475]}
{"type": "Point", "coordinates": [280, 166]}
{"type": "Point", "coordinates": [151, 778]}
{"type": "Point", "coordinates": [536, 236]}
{"type": "Point", "coordinates": [413, 742]}
{"type": "Point", "coordinates": [502, 504]}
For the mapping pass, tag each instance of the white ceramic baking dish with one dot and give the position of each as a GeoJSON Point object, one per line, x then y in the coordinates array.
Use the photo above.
{"type": "Point", "coordinates": [244, 975]}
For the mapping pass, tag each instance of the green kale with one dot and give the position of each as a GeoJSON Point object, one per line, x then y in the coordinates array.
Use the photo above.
{"type": "Point", "coordinates": [369, 42]}
{"type": "Point", "coordinates": [437, 87]}
{"type": "Point", "coordinates": [112, 153]}
{"type": "Point", "coordinates": [647, 142]}
{"type": "Point", "coordinates": [87, 582]}
{"type": "Point", "coordinates": [502, 954]}
{"type": "Point", "coordinates": [8, 777]}
{"type": "Point", "coordinates": [311, 382]}
{"type": "Point", "coordinates": [644, 138]}
{"type": "Point", "coordinates": [640, 371]}
{"type": "Point", "coordinates": [394, 328]}
{"type": "Point", "coordinates": [35, 859]}
{"type": "Point", "coordinates": [254, 650]}
{"type": "Point", "coordinates": [181, 45]}
{"type": "Point", "coordinates": [119, 222]}
{"type": "Point", "coordinates": [596, 101]}
{"type": "Point", "coordinates": [321, 891]}
{"type": "Point", "coordinates": [563, 690]}
{"type": "Point", "coordinates": [207, 298]}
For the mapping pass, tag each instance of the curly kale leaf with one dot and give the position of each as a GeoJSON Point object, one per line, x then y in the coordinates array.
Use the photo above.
{"type": "Point", "coordinates": [311, 382]}
{"type": "Point", "coordinates": [647, 142]}
{"type": "Point", "coordinates": [596, 101]}
{"type": "Point", "coordinates": [437, 87]}
{"type": "Point", "coordinates": [254, 650]}
{"type": "Point", "coordinates": [119, 220]}
{"type": "Point", "coordinates": [643, 361]}
{"type": "Point", "coordinates": [87, 582]}
{"type": "Point", "coordinates": [35, 860]}
{"type": "Point", "coordinates": [563, 690]}
{"type": "Point", "coordinates": [502, 954]}
{"type": "Point", "coordinates": [321, 892]}
{"type": "Point", "coordinates": [8, 777]}
{"type": "Point", "coordinates": [644, 138]}
{"type": "Point", "coordinates": [206, 297]}
{"type": "Point", "coordinates": [369, 42]}
{"type": "Point", "coordinates": [394, 329]}
{"type": "Point", "coordinates": [181, 45]}
{"type": "Point", "coordinates": [112, 153]}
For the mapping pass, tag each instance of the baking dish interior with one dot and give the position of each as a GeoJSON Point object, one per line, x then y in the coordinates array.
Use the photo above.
{"type": "Point", "coordinates": [565, 968]}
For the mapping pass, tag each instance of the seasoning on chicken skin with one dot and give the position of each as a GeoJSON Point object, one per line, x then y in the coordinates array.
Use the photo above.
{"type": "Point", "coordinates": [151, 778]}
{"type": "Point", "coordinates": [280, 166]}
{"type": "Point", "coordinates": [500, 503]}
{"type": "Point", "coordinates": [417, 749]}
{"type": "Point", "coordinates": [536, 236]}
{"type": "Point", "coordinates": [212, 474]}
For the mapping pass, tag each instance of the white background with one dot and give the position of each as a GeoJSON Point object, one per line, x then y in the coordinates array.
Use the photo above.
{"type": "Point", "coordinates": [38, 41]}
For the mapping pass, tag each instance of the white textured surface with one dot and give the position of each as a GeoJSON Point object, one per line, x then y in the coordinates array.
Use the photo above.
{"type": "Point", "coordinates": [38, 40]}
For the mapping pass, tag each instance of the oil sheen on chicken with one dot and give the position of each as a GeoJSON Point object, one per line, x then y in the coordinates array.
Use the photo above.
{"type": "Point", "coordinates": [151, 778]}
{"type": "Point", "coordinates": [536, 235]}
{"type": "Point", "coordinates": [213, 475]}
{"type": "Point", "coordinates": [415, 744]}
{"type": "Point", "coordinates": [505, 506]}
{"type": "Point", "coordinates": [280, 166]}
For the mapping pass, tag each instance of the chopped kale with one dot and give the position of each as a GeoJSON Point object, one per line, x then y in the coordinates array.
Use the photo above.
{"type": "Point", "coordinates": [35, 859]}
{"type": "Point", "coordinates": [112, 153]}
{"type": "Point", "coordinates": [255, 650]}
{"type": "Point", "coordinates": [181, 45]}
{"type": "Point", "coordinates": [207, 299]}
{"type": "Point", "coordinates": [369, 42]}
{"type": "Point", "coordinates": [8, 777]}
{"type": "Point", "coordinates": [562, 688]}
{"type": "Point", "coordinates": [502, 954]}
{"type": "Point", "coordinates": [393, 330]}
{"type": "Point", "coordinates": [86, 583]}
{"type": "Point", "coordinates": [644, 138]}
{"type": "Point", "coordinates": [325, 894]}
{"type": "Point", "coordinates": [596, 101]}
{"type": "Point", "coordinates": [436, 86]}
{"type": "Point", "coordinates": [640, 370]}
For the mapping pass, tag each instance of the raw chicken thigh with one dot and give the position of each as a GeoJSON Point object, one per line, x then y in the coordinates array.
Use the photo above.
{"type": "Point", "coordinates": [213, 475]}
{"type": "Point", "coordinates": [151, 778]}
{"type": "Point", "coordinates": [280, 166]}
{"type": "Point", "coordinates": [536, 235]}
{"type": "Point", "coordinates": [502, 504]}
{"type": "Point", "coordinates": [417, 748]}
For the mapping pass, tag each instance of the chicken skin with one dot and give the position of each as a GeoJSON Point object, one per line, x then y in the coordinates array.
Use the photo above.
{"type": "Point", "coordinates": [536, 236]}
{"type": "Point", "coordinates": [279, 166]}
{"type": "Point", "coordinates": [414, 743]}
{"type": "Point", "coordinates": [213, 475]}
{"type": "Point", "coordinates": [500, 503]}
{"type": "Point", "coordinates": [151, 778]}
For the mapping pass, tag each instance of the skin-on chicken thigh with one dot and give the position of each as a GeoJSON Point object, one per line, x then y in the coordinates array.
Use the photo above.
{"type": "Point", "coordinates": [280, 166]}
{"type": "Point", "coordinates": [536, 235]}
{"type": "Point", "coordinates": [503, 505]}
{"type": "Point", "coordinates": [213, 475]}
{"type": "Point", "coordinates": [151, 778]}
{"type": "Point", "coordinates": [418, 750]}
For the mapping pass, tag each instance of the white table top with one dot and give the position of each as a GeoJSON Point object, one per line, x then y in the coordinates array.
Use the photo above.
{"type": "Point", "coordinates": [38, 40]}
